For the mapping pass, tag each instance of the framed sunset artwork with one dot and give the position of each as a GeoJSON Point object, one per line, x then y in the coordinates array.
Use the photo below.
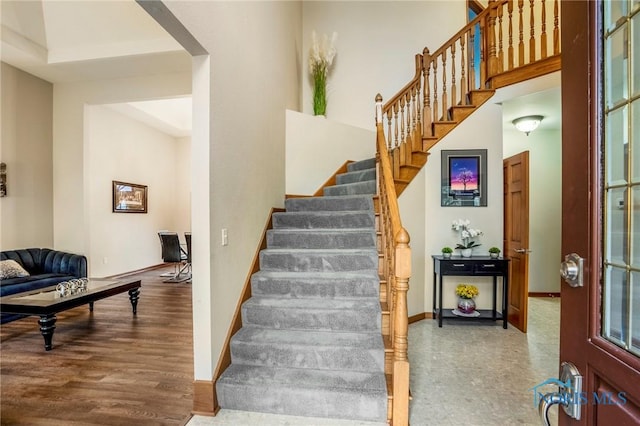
{"type": "Point", "coordinates": [464, 178]}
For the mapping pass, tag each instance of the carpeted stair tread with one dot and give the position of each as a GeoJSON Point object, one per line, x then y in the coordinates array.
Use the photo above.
{"type": "Point", "coordinates": [308, 349]}
{"type": "Point", "coordinates": [324, 285]}
{"type": "Point", "coordinates": [313, 304]}
{"type": "Point", "coordinates": [312, 314]}
{"type": "Point", "coordinates": [366, 187]}
{"type": "Point", "coordinates": [321, 238]}
{"type": "Point", "coordinates": [305, 378]}
{"type": "Point", "coordinates": [316, 260]}
{"type": "Point", "coordinates": [369, 163]}
{"type": "Point", "coordinates": [304, 392]}
{"type": "Point", "coordinates": [323, 219]}
{"type": "Point", "coordinates": [356, 176]}
{"type": "Point", "coordinates": [327, 203]}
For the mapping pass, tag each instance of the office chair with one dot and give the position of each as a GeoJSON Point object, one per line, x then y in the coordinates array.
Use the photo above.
{"type": "Point", "coordinates": [187, 237]}
{"type": "Point", "coordinates": [173, 253]}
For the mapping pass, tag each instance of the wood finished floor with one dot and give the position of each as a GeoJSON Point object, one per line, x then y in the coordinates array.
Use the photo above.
{"type": "Point", "coordinates": [106, 367]}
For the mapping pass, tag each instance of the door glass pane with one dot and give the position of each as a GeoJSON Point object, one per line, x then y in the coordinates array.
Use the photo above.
{"type": "Point", "coordinates": [635, 313]}
{"type": "Point", "coordinates": [613, 11]}
{"type": "Point", "coordinates": [616, 67]}
{"type": "Point", "coordinates": [635, 138]}
{"type": "Point", "coordinates": [621, 151]}
{"type": "Point", "coordinates": [635, 53]}
{"type": "Point", "coordinates": [616, 135]}
{"type": "Point", "coordinates": [616, 227]}
{"type": "Point", "coordinates": [614, 320]}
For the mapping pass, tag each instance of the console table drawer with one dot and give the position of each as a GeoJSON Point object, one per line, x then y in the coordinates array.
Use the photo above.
{"type": "Point", "coordinates": [490, 268]}
{"type": "Point", "coordinates": [456, 267]}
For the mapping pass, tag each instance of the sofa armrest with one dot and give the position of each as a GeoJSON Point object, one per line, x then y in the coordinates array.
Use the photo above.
{"type": "Point", "coordinates": [59, 262]}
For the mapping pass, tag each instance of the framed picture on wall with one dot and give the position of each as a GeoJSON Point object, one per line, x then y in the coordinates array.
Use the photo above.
{"type": "Point", "coordinates": [464, 178]}
{"type": "Point", "coordinates": [129, 197]}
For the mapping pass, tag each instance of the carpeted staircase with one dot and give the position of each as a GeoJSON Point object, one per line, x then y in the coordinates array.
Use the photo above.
{"type": "Point", "coordinates": [311, 343]}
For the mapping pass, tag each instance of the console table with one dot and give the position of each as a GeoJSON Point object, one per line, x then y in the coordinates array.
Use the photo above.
{"type": "Point", "coordinates": [483, 266]}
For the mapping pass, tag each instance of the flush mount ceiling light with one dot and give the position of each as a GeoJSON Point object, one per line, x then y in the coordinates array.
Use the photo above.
{"type": "Point", "coordinates": [527, 124]}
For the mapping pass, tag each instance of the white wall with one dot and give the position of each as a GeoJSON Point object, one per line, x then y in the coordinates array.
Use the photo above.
{"type": "Point", "coordinates": [70, 139]}
{"type": "Point", "coordinates": [545, 202]}
{"type": "Point", "coordinates": [377, 43]}
{"type": "Point", "coordinates": [481, 130]}
{"type": "Point", "coordinates": [120, 148]}
{"type": "Point", "coordinates": [316, 147]}
{"type": "Point", "coordinates": [254, 77]}
{"type": "Point", "coordinates": [413, 220]}
{"type": "Point", "coordinates": [26, 213]}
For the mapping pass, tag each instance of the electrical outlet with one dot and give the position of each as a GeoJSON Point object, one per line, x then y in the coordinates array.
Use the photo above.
{"type": "Point", "coordinates": [105, 260]}
{"type": "Point", "coordinates": [225, 237]}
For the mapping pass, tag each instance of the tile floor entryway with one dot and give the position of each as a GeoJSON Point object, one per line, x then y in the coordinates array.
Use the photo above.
{"type": "Point", "coordinates": [461, 374]}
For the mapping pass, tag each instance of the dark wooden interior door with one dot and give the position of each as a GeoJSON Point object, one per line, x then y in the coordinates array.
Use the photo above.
{"type": "Point", "coordinates": [600, 321]}
{"type": "Point", "coordinates": [516, 234]}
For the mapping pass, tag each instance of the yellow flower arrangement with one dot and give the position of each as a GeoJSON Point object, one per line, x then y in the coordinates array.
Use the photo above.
{"type": "Point", "coordinates": [467, 291]}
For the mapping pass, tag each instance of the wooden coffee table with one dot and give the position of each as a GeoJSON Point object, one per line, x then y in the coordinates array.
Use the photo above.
{"type": "Point", "coordinates": [47, 302]}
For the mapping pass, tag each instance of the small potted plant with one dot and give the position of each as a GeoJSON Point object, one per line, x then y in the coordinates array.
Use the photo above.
{"type": "Point", "coordinates": [446, 252]}
{"type": "Point", "coordinates": [494, 252]}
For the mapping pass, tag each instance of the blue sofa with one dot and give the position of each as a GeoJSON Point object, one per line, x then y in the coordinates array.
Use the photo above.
{"type": "Point", "coordinates": [46, 267]}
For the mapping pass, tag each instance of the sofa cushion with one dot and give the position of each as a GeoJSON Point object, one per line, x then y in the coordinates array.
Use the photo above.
{"type": "Point", "coordinates": [33, 282]}
{"type": "Point", "coordinates": [11, 269]}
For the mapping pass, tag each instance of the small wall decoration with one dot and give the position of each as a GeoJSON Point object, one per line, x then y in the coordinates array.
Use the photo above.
{"type": "Point", "coordinates": [464, 178]}
{"type": "Point", "coordinates": [129, 197]}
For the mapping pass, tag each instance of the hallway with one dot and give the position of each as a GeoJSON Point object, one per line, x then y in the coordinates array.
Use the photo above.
{"type": "Point", "coordinates": [462, 373]}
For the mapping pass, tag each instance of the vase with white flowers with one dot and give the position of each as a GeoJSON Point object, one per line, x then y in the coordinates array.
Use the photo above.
{"type": "Point", "coordinates": [321, 57]}
{"type": "Point", "coordinates": [467, 235]}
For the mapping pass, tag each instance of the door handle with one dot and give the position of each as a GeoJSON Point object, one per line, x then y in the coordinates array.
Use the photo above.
{"type": "Point", "coordinates": [522, 250]}
{"type": "Point", "coordinates": [569, 396]}
{"type": "Point", "coordinates": [572, 270]}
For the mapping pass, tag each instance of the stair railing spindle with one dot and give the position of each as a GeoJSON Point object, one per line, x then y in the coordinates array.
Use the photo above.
{"type": "Point", "coordinates": [521, 33]}
{"type": "Point", "coordinates": [454, 94]}
{"type": "Point", "coordinates": [444, 86]}
{"type": "Point", "coordinates": [543, 35]}
{"type": "Point", "coordinates": [532, 30]}
{"type": "Point", "coordinates": [510, 48]}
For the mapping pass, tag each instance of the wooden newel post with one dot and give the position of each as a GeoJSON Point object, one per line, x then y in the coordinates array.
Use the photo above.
{"type": "Point", "coordinates": [426, 94]}
{"type": "Point", "coordinates": [401, 363]}
{"type": "Point", "coordinates": [378, 108]}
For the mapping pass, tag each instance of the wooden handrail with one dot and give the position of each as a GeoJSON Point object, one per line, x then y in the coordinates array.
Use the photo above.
{"type": "Point", "coordinates": [396, 269]}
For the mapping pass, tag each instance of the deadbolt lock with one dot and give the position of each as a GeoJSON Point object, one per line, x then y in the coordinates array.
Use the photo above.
{"type": "Point", "coordinates": [572, 270]}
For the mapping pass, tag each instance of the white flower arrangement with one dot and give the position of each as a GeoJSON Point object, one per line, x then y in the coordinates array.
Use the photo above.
{"type": "Point", "coordinates": [321, 57]}
{"type": "Point", "coordinates": [466, 233]}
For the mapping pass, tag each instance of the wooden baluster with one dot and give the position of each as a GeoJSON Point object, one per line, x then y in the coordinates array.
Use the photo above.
{"type": "Point", "coordinates": [444, 86]}
{"type": "Point", "coordinates": [472, 63]}
{"type": "Point", "coordinates": [454, 93]}
{"type": "Point", "coordinates": [389, 132]}
{"type": "Point", "coordinates": [409, 118]}
{"type": "Point", "coordinates": [500, 51]}
{"type": "Point", "coordinates": [426, 94]}
{"type": "Point", "coordinates": [543, 35]}
{"type": "Point", "coordinates": [510, 49]}
{"type": "Point", "coordinates": [556, 30]}
{"type": "Point", "coordinates": [532, 29]}
{"type": "Point", "coordinates": [435, 88]}
{"type": "Point", "coordinates": [396, 141]}
{"type": "Point", "coordinates": [403, 135]}
{"type": "Point", "coordinates": [463, 81]}
{"type": "Point", "coordinates": [521, 31]}
{"type": "Point", "coordinates": [490, 34]}
{"type": "Point", "coordinates": [418, 111]}
{"type": "Point", "coordinates": [483, 56]}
